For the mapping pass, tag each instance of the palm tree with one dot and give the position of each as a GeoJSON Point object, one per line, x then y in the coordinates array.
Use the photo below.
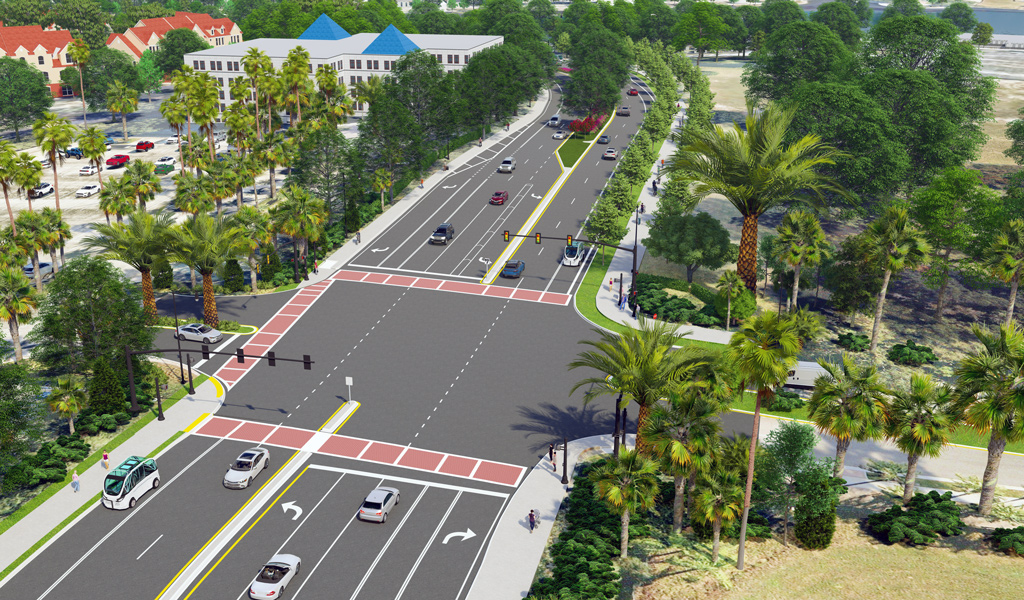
{"type": "Point", "coordinates": [896, 245]}
{"type": "Point", "coordinates": [8, 170]}
{"type": "Point", "coordinates": [79, 52]}
{"type": "Point", "coordinates": [849, 404]}
{"type": "Point", "coordinates": [719, 498]}
{"type": "Point", "coordinates": [28, 173]}
{"type": "Point", "coordinates": [190, 194]}
{"type": "Point", "coordinates": [117, 198]}
{"type": "Point", "coordinates": [804, 242]}
{"type": "Point", "coordinates": [368, 91]}
{"type": "Point", "coordinates": [93, 144]}
{"type": "Point", "coordinates": [257, 232]}
{"type": "Point", "coordinates": [68, 399]}
{"type": "Point", "coordinates": [271, 151]}
{"type": "Point", "coordinates": [295, 72]}
{"type": "Point", "coordinates": [17, 299]}
{"type": "Point", "coordinates": [30, 239]}
{"type": "Point", "coordinates": [122, 99]}
{"type": "Point", "coordinates": [301, 217]}
{"type": "Point", "coordinates": [731, 284]}
{"type": "Point", "coordinates": [184, 84]}
{"type": "Point", "coordinates": [1004, 259]}
{"type": "Point", "coordinates": [628, 483]}
{"type": "Point", "coordinates": [55, 232]}
{"type": "Point", "coordinates": [989, 392]}
{"type": "Point", "coordinates": [764, 349]}
{"type": "Point", "coordinates": [221, 183]}
{"type": "Point", "coordinates": [755, 170]}
{"type": "Point", "coordinates": [176, 113]}
{"type": "Point", "coordinates": [143, 181]}
{"type": "Point", "coordinates": [139, 242]}
{"type": "Point", "coordinates": [274, 92]}
{"type": "Point", "coordinates": [255, 63]}
{"type": "Point", "coordinates": [639, 364]}
{"type": "Point", "coordinates": [919, 421]}
{"type": "Point", "coordinates": [381, 184]}
{"type": "Point", "coordinates": [53, 134]}
{"type": "Point", "coordinates": [683, 432]}
{"type": "Point", "coordinates": [204, 243]}
{"type": "Point", "coordinates": [205, 106]}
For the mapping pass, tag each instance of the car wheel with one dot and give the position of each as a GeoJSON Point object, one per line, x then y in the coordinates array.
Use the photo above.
{"type": "Point", "coordinates": [156, 483]}
{"type": "Point", "coordinates": [248, 483]}
{"type": "Point", "coordinates": [398, 498]}
{"type": "Point", "coordinates": [266, 464]}
{"type": "Point", "coordinates": [384, 518]}
{"type": "Point", "coordinates": [131, 503]}
{"type": "Point", "coordinates": [206, 340]}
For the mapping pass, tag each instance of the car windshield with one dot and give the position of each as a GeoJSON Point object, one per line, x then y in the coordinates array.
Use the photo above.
{"type": "Point", "coordinates": [243, 464]}
{"type": "Point", "coordinates": [511, 265]}
{"type": "Point", "coordinates": [441, 230]}
{"type": "Point", "coordinates": [114, 482]}
{"type": "Point", "coordinates": [371, 505]}
{"type": "Point", "coordinates": [570, 251]}
{"type": "Point", "coordinates": [205, 329]}
{"type": "Point", "coordinates": [272, 573]}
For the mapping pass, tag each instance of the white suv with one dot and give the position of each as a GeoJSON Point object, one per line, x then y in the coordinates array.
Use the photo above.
{"type": "Point", "coordinates": [508, 165]}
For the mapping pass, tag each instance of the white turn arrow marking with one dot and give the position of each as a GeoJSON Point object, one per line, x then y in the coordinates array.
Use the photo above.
{"type": "Point", "coordinates": [536, 196]}
{"type": "Point", "coordinates": [287, 506]}
{"type": "Point", "coordinates": [380, 249]}
{"type": "Point", "coordinates": [447, 187]}
{"type": "Point", "coordinates": [465, 535]}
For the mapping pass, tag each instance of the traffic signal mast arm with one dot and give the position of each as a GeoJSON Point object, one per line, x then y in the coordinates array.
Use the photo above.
{"type": "Point", "coordinates": [569, 239]}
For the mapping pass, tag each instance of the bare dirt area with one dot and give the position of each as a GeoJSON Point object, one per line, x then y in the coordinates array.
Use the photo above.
{"type": "Point", "coordinates": [855, 566]}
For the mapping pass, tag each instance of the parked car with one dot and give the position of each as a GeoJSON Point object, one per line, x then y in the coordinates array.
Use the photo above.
{"type": "Point", "coordinates": [172, 140]}
{"type": "Point", "coordinates": [144, 146]}
{"type": "Point", "coordinates": [513, 269]}
{"type": "Point", "coordinates": [561, 134]}
{"type": "Point", "coordinates": [109, 141]}
{"type": "Point", "coordinates": [45, 162]}
{"type": "Point", "coordinates": [44, 267]}
{"type": "Point", "coordinates": [623, 111]}
{"type": "Point", "coordinates": [378, 504]}
{"type": "Point", "coordinates": [88, 170]}
{"type": "Point", "coordinates": [443, 233]}
{"type": "Point", "coordinates": [247, 467]}
{"type": "Point", "coordinates": [499, 197]}
{"type": "Point", "coordinates": [170, 160]}
{"type": "Point", "coordinates": [603, 139]}
{"type": "Point", "coordinates": [73, 152]}
{"type": "Point", "coordinates": [198, 332]}
{"type": "Point", "coordinates": [118, 160]}
{"type": "Point", "coordinates": [610, 154]}
{"type": "Point", "coordinates": [163, 168]}
{"type": "Point", "coordinates": [87, 190]}
{"type": "Point", "coordinates": [43, 189]}
{"type": "Point", "coordinates": [633, 92]}
{"type": "Point", "coordinates": [274, 577]}
{"type": "Point", "coordinates": [508, 165]}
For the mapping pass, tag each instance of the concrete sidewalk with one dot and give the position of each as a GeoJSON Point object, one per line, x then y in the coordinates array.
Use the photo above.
{"type": "Point", "coordinates": [25, 533]}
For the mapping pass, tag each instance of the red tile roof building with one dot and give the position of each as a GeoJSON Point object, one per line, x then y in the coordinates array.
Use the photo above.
{"type": "Point", "coordinates": [147, 33]}
{"type": "Point", "coordinates": [45, 49]}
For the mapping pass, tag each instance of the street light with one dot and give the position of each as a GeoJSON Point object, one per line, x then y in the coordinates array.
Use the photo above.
{"type": "Point", "coordinates": [181, 368]}
{"type": "Point", "coordinates": [159, 404]}
{"type": "Point", "coordinates": [565, 460]}
{"type": "Point", "coordinates": [636, 246]}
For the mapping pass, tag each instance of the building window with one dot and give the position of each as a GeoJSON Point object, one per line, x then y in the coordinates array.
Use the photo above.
{"type": "Point", "coordinates": [310, 67]}
{"type": "Point", "coordinates": [220, 81]}
{"type": "Point", "coordinates": [231, 67]}
{"type": "Point", "coordinates": [439, 58]}
{"type": "Point", "coordinates": [65, 90]}
{"type": "Point", "coordinates": [449, 59]}
{"type": "Point", "coordinates": [351, 63]}
{"type": "Point", "coordinates": [42, 60]}
{"type": "Point", "coordinates": [456, 59]}
{"type": "Point", "coordinates": [195, 64]}
{"type": "Point", "coordinates": [220, 66]}
{"type": "Point", "coordinates": [236, 66]}
{"type": "Point", "coordinates": [221, 107]}
{"type": "Point", "coordinates": [467, 59]}
{"type": "Point", "coordinates": [359, 78]}
{"type": "Point", "coordinates": [376, 65]}
{"type": "Point", "coordinates": [46, 75]}
{"type": "Point", "coordinates": [67, 59]}
{"type": "Point", "coordinates": [221, 97]}
{"type": "Point", "coordinates": [359, 64]}
{"type": "Point", "coordinates": [353, 80]}
{"type": "Point", "coordinates": [387, 65]}
{"type": "Point", "coordinates": [202, 65]}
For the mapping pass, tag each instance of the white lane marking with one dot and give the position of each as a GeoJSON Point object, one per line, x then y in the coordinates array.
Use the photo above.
{"type": "Point", "coordinates": [476, 558]}
{"type": "Point", "coordinates": [427, 546]}
{"type": "Point", "coordinates": [394, 534]}
{"type": "Point", "coordinates": [440, 486]}
{"type": "Point", "coordinates": [149, 546]}
{"type": "Point", "coordinates": [328, 551]}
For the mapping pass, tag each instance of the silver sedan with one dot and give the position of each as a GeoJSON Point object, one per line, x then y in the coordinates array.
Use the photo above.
{"type": "Point", "coordinates": [246, 467]}
{"type": "Point", "coordinates": [198, 332]}
{"type": "Point", "coordinates": [378, 504]}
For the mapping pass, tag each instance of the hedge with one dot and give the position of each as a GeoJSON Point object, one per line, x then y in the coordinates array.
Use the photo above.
{"type": "Point", "coordinates": [925, 518]}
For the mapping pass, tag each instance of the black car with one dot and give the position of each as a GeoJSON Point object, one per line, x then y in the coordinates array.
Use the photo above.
{"type": "Point", "coordinates": [444, 232]}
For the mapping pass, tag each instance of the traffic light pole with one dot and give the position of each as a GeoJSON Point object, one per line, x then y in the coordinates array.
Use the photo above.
{"type": "Point", "coordinates": [270, 357]}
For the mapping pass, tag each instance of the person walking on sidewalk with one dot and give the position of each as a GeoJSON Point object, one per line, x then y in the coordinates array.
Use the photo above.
{"type": "Point", "coordinates": [75, 484]}
{"type": "Point", "coordinates": [106, 461]}
{"type": "Point", "coordinates": [551, 451]}
{"type": "Point", "coordinates": [643, 209]}
{"type": "Point", "coordinates": [533, 521]}
{"type": "Point", "coordinates": [359, 237]}
{"type": "Point", "coordinates": [315, 267]}
{"type": "Point", "coordinates": [655, 184]}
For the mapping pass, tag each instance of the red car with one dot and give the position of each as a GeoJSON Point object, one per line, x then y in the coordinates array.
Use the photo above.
{"type": "Point", "coordinates": [143, 146]}
{"type": "Point", "coordinates": [499, 197]}
{"type": "Point", "coordinates": [633, 92]}
{"type": "Point", "coordinates": [118, 160]}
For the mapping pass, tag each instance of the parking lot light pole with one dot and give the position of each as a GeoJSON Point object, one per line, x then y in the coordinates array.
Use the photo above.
{"type": "Point", "coordinates": [618, 416]}
{"type": "Point", "coordinates": [191, 389]}
{"type": "Point", "coordinates": [181, 368]}
{"type": "Point", "coordinates": [565, 460]}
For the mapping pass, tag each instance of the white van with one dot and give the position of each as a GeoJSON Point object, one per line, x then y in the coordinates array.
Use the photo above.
{"type": "Point", "coordinates": [123, 486]}
{"type": "Point", "coordinates": [803, 375]}
{"type": "Point", "coordinates": [554, 121]}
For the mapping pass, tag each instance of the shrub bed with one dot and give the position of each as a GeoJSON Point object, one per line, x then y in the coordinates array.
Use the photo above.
{"type": "Point", "coordinates": [854, 342]}
{"type": "Point", "coordinates": [785, 401]}
{"type": "Point", "coordinates": [921, 522]}
{"type": "Point", "coordinates": [911, 354]}
{"type": "Point", "coordinates": [1010, 541]}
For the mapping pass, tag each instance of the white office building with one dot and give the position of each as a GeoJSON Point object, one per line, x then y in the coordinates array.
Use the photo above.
{"type": "Point", "coordinates": [354, 56]}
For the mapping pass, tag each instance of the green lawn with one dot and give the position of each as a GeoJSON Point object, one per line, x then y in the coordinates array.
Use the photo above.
{"type": "Point", "coordinates": [571, 151]}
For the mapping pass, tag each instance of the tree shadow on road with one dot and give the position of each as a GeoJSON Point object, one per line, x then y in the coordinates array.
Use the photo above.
{"type": "Point", "coordinates": [548, 424]}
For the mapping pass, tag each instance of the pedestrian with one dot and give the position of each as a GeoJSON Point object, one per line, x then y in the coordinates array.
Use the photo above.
{"type": "Point", "coordinates": [643, 209]}
{"type": "Point", "coordinates": [359, 238]}
{"type": "Point", "coordinates": [315, 267]}
{"type": "Point", "coordinates": [655, 187]}
{"type": "Point", "coordinates": [551, 451]}
{"type": "Point", "coordinates": [554, 460]}
{"type": "Point", "coordinates": [75, 484]}
{"type": "Point", "coordinates": [106, 461]}
{"type": "Point", "coordinates": [533, 521]}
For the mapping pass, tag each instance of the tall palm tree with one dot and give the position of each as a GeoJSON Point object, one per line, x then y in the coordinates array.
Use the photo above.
{"type": "Point", "coordinates": [53, 134]}
{"type": "Point", "coordinates": [122, 99]}
{"type": "Point", "coordinates": [257, 232]}
{"type": "Point", "coordinates": [205, 100]}
{"type": "Point", "coordinates": [301, 217]}
{"type": "Point", "coordinates": [764, 349]}
{"type": "Point", "coordinates": [368, 91]}
{"type": "Point", "coordinates": [381, 184]}
{"type": "Point", "coordinates": [849, 404]}
{"type": "Point", "coordinates": [17, 300]}
{"type": "Point", "coordinates": [144, 182]}
{"type": "Point", "coordinates": [255, 63]}
{"type": "Point", "coordinates": [732, 286]}
{"type": "Point", "coordinates": [639, 364]}
{"type": "Point", "coordinates": [205, 243]}
{"type": "Point", "coordinates": [920, 421]}
{"type": "Point", "coordinates": [755, 170]}
{"type": "Point", "coordinates": [31, 237]}
{"type": "Point", "coordinates": [221, 182]}
{"type": "Point", "coordinates": [184, 83]}
{"type": "Point", "coordinates": [804, 243]}
{"type": "Point", "coordinates": [8, 170]}
{"type": "Point", "coordinates": [274, 92]}
{"type": "Point", "coordinates": [628, 483]}
{"type": "Point", "coordinates": [139, 242]}
{"type": "Point", "coordinates": [28, 173]}
{"type": "Point", "coordinates": [175, 112]}
{"type": "Point", "coordinates": [896, 245]}
{"type": "Point", "coordinates": [61, 231]}
{"type": "Point", "coordinates": [719, 498]}
{"type": "Point", "coordinates": [79, 52]}
{"type": "Point", "coordinates": [68, 399]}
{"type": "Point", "coordinates": [190, 194]}
{"type": "Point", "coordinates": [989, 391]}
{"type": "Point", "coordinates": [93, 144]}
{"type": "Point", "coordinates": [271, 152]}
{"type": "Point", "coordinates": [295, 72]}
{"type": "Point", "coordinates": [1005, 260]}
{"type": "Point", "coordinates": [682, 432]}
{"type": "Point", "coordinates": [52, 236]}
{"type": "Point", "coordinates": [117, 198]}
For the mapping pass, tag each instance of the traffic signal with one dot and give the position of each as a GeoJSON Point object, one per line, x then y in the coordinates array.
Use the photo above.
{"type": "Point", "coordinates": [206, 352]}
{"type": "Point", "coordinates": [568, 240]}
{"type": "Point", "coordinates": [537, 237]}
{"type": "Point", "coordinates": [307, 362]}
{"type": "Point", "coordinates": [240, 355]}
{"type": "Point", "coordinates": [506, 235]}
{"type": "Point", "coordinates": [271, 359]}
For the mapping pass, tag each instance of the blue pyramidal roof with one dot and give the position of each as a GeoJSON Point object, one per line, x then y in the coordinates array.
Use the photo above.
{"type": "Point", "coordinates": [391, 41]}
{"type": "Point", "coordinates": [324, 28]}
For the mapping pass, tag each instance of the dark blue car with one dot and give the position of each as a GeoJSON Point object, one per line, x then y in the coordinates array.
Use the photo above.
{"type": "Point", "coordinates": [73, 152]}
{"type": "Point", "coordinates": [513, 269]}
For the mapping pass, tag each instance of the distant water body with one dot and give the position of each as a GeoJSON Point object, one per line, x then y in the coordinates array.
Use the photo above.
{"type": "Point", "coordinates": [1006, 22]}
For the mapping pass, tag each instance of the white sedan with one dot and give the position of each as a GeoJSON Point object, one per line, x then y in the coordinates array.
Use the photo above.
{"type": "Point", "coordinates": [87, 190]}
{"type": "Point", "coordinates": [166, 160]}
{"type": "Point", "coordinates": [274, 577]}
{"type": "Point", "coordinates": [246, 467]}
{"type": "Point", "coordinates": [171, 140]}
{"type": "Point", "coordinates": [561, 134]}
{"type": "Point", "coordinates": [88, 170]}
